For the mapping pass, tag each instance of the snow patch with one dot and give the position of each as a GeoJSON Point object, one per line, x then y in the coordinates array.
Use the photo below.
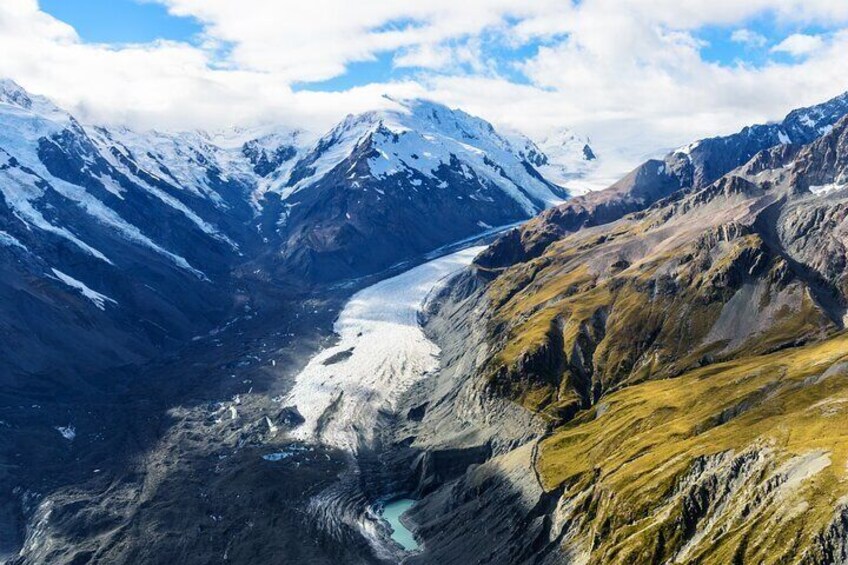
{"type": "Point", "coordinates": [286, 453]}
{"type": "Point", "coordinates": [98, 299]}
{"type": "Point", "coordinates": [687, 149]}
{"type": "Point", "coordinates": [68, 432]}
{"type": "Point", "coordinates": [821, 190]}
{"type": "Point", "coordinates": [10, 241]}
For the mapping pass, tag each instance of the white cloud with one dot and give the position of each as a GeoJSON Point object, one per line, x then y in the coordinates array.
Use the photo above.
{"type": "Point", "coordinates": [457, 58]}
{"type": "Point", "coordinates": [748, 37]}
{"type": "Point", "coordinates": [799, 45]}
{"type": "Point", "coordinates": [311, 41]}
{"type": "Point", "coordinates": [628, 74]}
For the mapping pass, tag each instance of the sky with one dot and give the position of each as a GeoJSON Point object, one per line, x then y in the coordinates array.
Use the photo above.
{"type": "Point", "coordinates": [635, 77]}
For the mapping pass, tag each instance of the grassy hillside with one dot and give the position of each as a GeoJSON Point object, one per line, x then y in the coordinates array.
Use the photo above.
{"type": "Point", "coordinates": [690, 283]}
{"type": "Point", "coordinates": [743, 461]}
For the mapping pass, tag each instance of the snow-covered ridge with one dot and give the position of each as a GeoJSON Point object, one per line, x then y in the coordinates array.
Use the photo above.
{"type": "Point", "coordinates": [13, 95]}
{"type": "Point", "coordinates": [800, 126]}
{"type": "Point", "coordinates": [824, 189]}
{"type": "Point", "coordinates": [99, 300]}
{"type": "Point", "coordinates": [419, 137]}
{"type": "Point", "coordinates": [414, 134]}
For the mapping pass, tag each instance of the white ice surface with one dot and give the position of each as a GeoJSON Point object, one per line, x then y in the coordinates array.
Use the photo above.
{"type": "Point", "coordinates": [826, 188]}
{"type": "Point", "coordinates": [8, 240]}
{"type": "Point", "coordinates": [98, 299]}
{"type": "Point", "coordinates": [389, 352]}
{"type": "Point", "coordinates": [68, 432]}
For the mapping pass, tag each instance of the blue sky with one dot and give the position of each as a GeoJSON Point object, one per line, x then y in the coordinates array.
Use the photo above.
{"type": "Point", "coordinates": [122, 21]}
{"type": "Point", "coordinates": [766, 32]}
{"type": "Point", "coordinates": [635, 77]}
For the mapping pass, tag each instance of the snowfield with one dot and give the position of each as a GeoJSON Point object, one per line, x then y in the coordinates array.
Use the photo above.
{"type": "Point", "coordinates": [381, 352]}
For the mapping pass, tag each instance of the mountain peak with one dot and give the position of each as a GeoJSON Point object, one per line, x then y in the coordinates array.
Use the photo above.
{"type": "Point", "coordinates": [417, 114]}
{"type": "Point", "coordinates": [12, 93]}
{"type": "Point", "coordinates": [419, 139]}
{"type": "Point", "coordinates": [806, 124]}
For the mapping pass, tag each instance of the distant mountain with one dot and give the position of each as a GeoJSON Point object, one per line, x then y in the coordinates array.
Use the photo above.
{"type": "Point", "coordinates": [696, 165]}
{"type": "Point", "coordinates": [386, 185]}
{"type": "Point", "coordinates": [569, 159]}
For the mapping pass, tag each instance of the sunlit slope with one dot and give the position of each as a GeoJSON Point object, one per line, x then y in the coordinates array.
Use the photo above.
{"type": "Point", "coordinates": [743, 461]}
{"type": "Point", "coordinates": [750, 264]}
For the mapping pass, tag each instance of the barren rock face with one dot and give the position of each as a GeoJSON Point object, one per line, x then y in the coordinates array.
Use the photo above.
{"type": "Point", "coordinates": [695, 166]}
{"type": "Point", "coordinates": [685, 423]}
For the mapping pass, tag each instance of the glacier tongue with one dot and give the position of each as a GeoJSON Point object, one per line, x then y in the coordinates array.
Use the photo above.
{"type": "Point", "coordinates": [381, 352]}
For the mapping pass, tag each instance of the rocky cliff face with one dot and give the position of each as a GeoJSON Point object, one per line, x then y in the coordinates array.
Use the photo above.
{"type": "Point", "coordinates": [686, 363]}
{"type": "Point", "coordinates": [695, 165]}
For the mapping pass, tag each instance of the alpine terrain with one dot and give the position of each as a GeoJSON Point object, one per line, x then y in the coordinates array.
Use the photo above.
{"type": "Point", "coordinates": [148, 276]}
{"type": "Point", "coordinates": [418, 339]}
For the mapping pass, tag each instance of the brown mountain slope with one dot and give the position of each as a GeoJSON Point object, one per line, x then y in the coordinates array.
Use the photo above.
{"type": "Point", "coordinates": [747, 265]}
{"type": "Point", "coordinates": [684, 367]}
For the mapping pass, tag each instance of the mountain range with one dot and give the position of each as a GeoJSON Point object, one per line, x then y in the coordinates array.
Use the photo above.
{"type": "Point", "coordinates": [140, 241]}
{"type": "Point", "coordinates": [651, 373]}
{"type": "Point", "coordinates": [677, 342]}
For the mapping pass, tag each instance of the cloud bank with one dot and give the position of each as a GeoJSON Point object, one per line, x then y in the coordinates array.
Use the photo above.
{"type": "Point", "coordinates": [636, 77]}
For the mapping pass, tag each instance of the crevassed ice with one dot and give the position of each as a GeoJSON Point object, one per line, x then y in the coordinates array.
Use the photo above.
{"type": "Point", "coordinates": [381, 352]}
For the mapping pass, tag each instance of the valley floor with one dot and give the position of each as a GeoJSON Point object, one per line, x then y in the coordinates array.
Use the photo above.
{"type": "Point", "coordinates": [206, 454]}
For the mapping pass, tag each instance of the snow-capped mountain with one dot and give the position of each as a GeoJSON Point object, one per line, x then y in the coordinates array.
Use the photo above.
{"type": "Point", "coordinates": [563, 158]}
{"type": "Point", "coordinates": [420, 138]}
{"type": "Point", "coordinates": [569, 159]}
{"type": "Point", "coordinates": [382, 186]}
{"type": "Point", "coordinates": [147, 230]}
{"type": "Point", "coordinates": [114, 244]}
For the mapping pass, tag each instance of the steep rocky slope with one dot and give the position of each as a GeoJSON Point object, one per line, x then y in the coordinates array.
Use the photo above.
{"type": "Point", "coordinates": [753, 262]}
{"type": "Point", "coordinates": [695, 165]}
{"type": "Point", "coordinates": [741, 462]}
{"type": "Point", "coordinates": [683, 367]}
